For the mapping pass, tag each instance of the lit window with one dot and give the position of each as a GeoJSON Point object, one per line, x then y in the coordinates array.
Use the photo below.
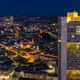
{"type": "Point", "coordinates": [73, 36]}
{"type": "Point", "coordinates": [78, 30]}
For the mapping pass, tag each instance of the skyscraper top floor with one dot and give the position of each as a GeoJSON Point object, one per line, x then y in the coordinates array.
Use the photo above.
{"type": "Point", "coordinates": [73, 16]}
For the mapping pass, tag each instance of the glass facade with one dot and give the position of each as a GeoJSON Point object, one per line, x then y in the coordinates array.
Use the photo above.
{"type": "Point", "coordinates": [73, 50]}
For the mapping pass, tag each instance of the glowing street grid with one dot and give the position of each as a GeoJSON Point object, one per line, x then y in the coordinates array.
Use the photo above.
{"type": "Point", "coordinates": [29, 48]}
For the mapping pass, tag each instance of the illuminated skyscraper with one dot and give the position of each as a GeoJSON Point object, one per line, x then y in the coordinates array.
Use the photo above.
{"type": "Point", "coordinates": [73, 46]}
{"type": "Point", "coordinates": [70, 46]}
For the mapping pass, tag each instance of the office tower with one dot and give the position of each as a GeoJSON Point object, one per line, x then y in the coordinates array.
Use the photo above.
{"type": "Point", "coordinates": [73, 46]}
{"type": "Point", "coordinates": [70, 46]}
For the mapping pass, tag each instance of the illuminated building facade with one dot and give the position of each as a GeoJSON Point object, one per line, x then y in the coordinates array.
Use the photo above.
{"type": "Point", "coordinates": [70, 46]}
{"type": "Point", "coordinates": [73, 46]}
{"type": "Point", "coordinates": [72, 16]}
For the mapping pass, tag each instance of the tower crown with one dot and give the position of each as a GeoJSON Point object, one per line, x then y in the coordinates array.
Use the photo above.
{"type": "Point", "coordinates": [73, 16]}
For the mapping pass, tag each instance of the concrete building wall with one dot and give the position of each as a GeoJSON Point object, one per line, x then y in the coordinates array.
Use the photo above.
{"type": "Point", "coordinates": [63, 48]}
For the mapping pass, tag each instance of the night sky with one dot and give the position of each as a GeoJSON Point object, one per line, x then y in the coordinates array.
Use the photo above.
{"type": "Point", "coordinates": [38, 7]}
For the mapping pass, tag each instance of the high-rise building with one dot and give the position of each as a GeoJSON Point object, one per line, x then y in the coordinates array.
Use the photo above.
{"type": "Point", "coordinates": [73, 46]}
{"type": "Point", "coordinates": [70, 46]}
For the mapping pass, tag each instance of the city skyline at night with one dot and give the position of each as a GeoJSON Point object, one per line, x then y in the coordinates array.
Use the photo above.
{"type": "Point", "coordinates": [39, 40]}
